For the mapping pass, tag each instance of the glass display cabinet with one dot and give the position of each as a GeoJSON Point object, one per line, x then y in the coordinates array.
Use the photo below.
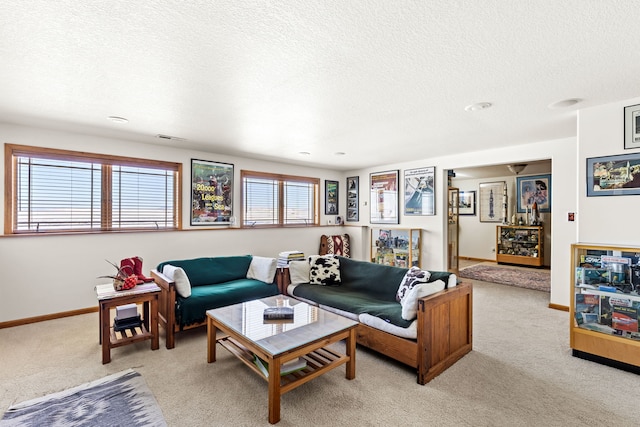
{"type": "Point", "coordinates": [520, 244]}
{"type": "Point", "coordinates": [399, 247]}
{"type": "Point", "coordinates": [605, 304]}
{"type": "Point", "coordinates": [453, 248]}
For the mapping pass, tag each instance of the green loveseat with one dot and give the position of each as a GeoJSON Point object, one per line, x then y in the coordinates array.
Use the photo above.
{"type": "Point", "coordinates": [214, 282]}
{"type": "Point", "coordinates": [438, 335]}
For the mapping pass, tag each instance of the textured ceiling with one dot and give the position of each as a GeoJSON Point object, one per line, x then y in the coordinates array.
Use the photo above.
{"type": "Point", "coordinates": [382, 81]}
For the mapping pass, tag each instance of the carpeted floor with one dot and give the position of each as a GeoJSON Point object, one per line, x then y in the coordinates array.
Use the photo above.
{"type": "Point", "coordinates": [521, 277]}
{"type": "Point", "coordinates": [519, 374]}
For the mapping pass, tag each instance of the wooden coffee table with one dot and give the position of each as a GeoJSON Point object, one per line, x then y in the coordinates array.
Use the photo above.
{"type": "Point", "coordinates": [246, 335]}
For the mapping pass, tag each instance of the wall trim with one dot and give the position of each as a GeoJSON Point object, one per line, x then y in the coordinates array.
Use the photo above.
{"type": "Point", "coordinates": [52, 316]}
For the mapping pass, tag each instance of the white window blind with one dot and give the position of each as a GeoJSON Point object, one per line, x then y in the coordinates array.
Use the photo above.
{"type": "Point", "coordinates": [276, 200]}
{"type": "Point", "coordinates": [61, 191]}
{"type": "Point", "coordinates": [57, 195]}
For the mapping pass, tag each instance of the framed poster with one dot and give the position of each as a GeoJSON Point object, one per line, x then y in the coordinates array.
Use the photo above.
{"type": "Point", "coordinates": [419, 191]}
{"type": "Point", "coordinates": [632, 127]}
{"type": "Point", "coordinates": [383, 207]}
{"type": "Point", "coordinates": [491, 194]}
{"type": "Point", "coordinates": [613, 175]}
{"type": "Point", "coordinates": [535, 188]}
{"type": "Point", "coordinates": [211, 193]}
{"type": "Point", "coordinates": [467, 203]}
{"type": "Point", "coordinates": [330, 197]}
{"type": "Point", "coordinates": [353, 202]}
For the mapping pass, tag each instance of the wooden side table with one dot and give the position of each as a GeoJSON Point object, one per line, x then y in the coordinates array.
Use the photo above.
{"type": "Point", "coordinates": [283, 279]}
{"type": "Point", "coordinates": [146, 294]}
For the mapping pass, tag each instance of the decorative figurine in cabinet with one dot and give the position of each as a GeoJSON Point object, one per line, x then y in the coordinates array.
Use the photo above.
{"type": "Point", "coordinates": [396, 247]}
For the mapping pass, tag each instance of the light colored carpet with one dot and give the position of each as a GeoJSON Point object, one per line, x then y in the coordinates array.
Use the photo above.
{"type": "Point", "coordinates": [520, 373]}
{"type": "Point", "coordinates": [523, 277]}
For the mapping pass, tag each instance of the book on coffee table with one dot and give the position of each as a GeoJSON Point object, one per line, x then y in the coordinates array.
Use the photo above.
{"type": "Point", "coordinates": [285, 369]}
{"type": "Point", "coordinates": [278, 313]}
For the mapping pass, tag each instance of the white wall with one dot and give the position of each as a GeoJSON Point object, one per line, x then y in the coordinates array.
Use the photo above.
{"type": "Point", "coordinates": [608, 220]}
{"type": "Point", "coordinates": [50, 274]}
{"type": "Point", "coordinates": [478, 239]}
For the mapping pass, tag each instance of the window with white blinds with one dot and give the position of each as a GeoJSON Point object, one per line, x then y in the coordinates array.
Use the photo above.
{"type": "Point", "coordinates": [278, 200]}
{"type": "Point", "coordinates": [64, 191]}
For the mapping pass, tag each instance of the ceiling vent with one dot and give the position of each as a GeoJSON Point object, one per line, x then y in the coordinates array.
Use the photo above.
{"type": "Point", "coordinates": [172, 138]}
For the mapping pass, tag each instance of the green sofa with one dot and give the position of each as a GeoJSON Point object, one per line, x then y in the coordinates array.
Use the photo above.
{"type": "Point", "coordinates": [214, 282]}
{"type": "Point", "coordinates": [439, 335]}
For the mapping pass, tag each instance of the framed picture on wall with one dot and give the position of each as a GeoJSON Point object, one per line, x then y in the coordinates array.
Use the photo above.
{"type": "Point", "coordinates": [419, 191]}
{"type": "Point", "coordinates": [491, 194]}
{"type": "Point", "coordinates": [467, 203]}
{"type": "Point", "coordinates": [613, 175]}
{"type": "Point", "coordinates": [330, 197]}
{"type": "Point", "coordinates": [353, 190]}
{"type": "Point", "coordinates": [535, 188]}
{"type": "Point", "coordinates": [211, 192]}
{"type": "Point", "coordinates": [383, 207]}
{"type": "Point", "coordinates": [632, 127]}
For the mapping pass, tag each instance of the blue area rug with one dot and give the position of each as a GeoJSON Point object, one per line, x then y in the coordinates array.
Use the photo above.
{"type": "Point", "coordinates": [121, 399]}
{"type": "Point", "coordinates": [529, 278]}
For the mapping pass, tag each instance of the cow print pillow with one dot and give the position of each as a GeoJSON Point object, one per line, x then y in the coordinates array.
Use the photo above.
{"type": "Point", "coordinates": [413, 277]}
{"type": "Point", "coordinates": [324, 271]}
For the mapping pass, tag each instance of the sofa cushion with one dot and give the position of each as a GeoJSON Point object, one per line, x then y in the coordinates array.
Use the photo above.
{"type": "Point", "coordinates": [193, 309]}
{"type": "Point", "coordinates": [325, 270]}
{"type": "Point", "coordinates": [410, 301]}
{"type": "Point", "coordinates": [354, 301]}
{"type": "Point", "coordinates": [262, 268]}
{"type": "Point", "coordinates": [208, 271]}
{"type": "Point", "coordinates": [299, 272]}
{"type": "Point", "coordinates": [379, 281]}
{"type": "Point", "coordinates": [179, 277]}
{"type": "Point", "coordinates": [414, 276]}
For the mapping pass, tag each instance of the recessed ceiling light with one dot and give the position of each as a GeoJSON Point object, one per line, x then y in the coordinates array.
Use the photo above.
{"type": "Point", "coordinates": [478, 106]}
{"type": "Point", "coordinates": [116, 119]}
{"type": "Point", "coordinates": [564, 103]}
{"type": "Point", "coordinates": [305, 153]}
{"type": "Point", "coordinates": [339, 153]}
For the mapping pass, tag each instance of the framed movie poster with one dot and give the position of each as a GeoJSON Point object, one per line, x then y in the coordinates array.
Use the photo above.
{"type": "Point", "coordinates": [383, 206]}
{"type": "Point", "coordinates": [532, 189]}
{"type": "Point", "coordinates": [211, 193]}
{"type": "Point", "coordinates": [632, 127]}
{"type": "Point", "coordinates": [491, 195]}
{"type": "Point", "coordinates": [330, 197]}
{"type": "Point", "coordinates": [353, 202]}
{"type": "Point", "coordinates": [419, 191]}
{"type": "Point", "coordinates": [467, 203]}
{"type": "Point", "coordinates": [613, 175]}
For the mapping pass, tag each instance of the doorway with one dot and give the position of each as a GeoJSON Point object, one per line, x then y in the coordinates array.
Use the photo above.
{"type": "Point", "coordinates": [476, 233]}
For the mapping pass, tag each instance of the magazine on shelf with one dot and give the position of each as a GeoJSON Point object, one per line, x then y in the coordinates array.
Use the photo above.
{"type": "Point", "coordinates": [285, 369]}
{"type": "Point", "coordinates": [625, 318]}
{"type": "Point", "coordinates": [587, 308]}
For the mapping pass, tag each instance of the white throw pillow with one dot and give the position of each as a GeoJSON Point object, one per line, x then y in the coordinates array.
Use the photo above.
{"type": "Point", "coordinates": [410, 301]}
{"type": "Point", "coordinates": [177, 275]}
{"type": "Point", "coordinates": [262, 268]}
{"type": "Point", "coordinates": [299, 272]}
{"type": "Point", "coordinates": [413, 276]}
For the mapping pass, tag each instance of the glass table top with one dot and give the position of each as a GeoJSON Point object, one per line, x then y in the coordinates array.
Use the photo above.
{"type": "Point", "coordinates": [309, 323]}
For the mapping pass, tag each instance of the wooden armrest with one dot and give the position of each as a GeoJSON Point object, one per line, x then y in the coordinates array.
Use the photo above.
{"type": "Point", "coordinates": [166, 309]}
